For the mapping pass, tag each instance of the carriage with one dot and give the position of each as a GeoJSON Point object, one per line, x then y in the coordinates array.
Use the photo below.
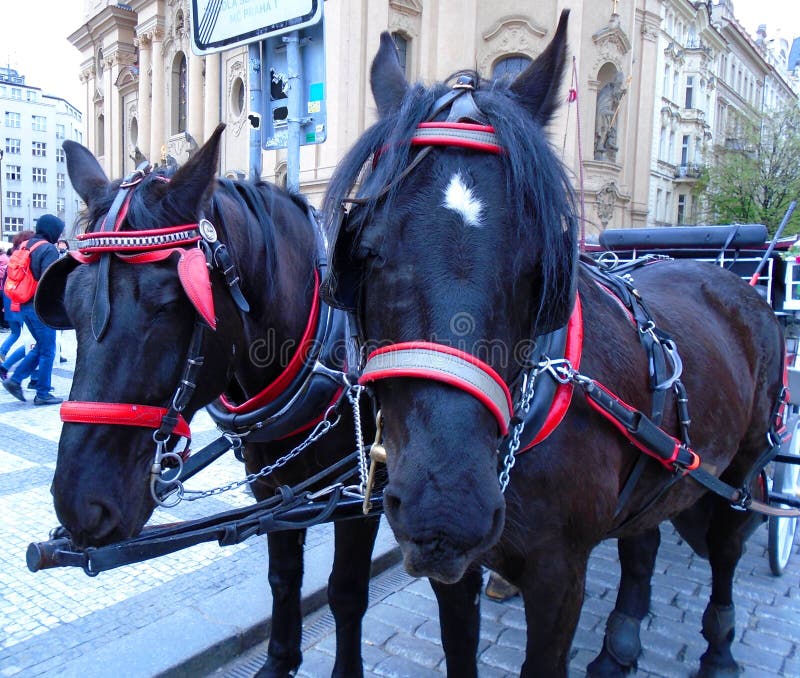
{"type": "Point", "coordinates": [775, 271]}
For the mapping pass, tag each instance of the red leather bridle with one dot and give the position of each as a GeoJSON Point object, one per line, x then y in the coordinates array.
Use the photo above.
{"type": "Point", "coordinates": [143, 247]}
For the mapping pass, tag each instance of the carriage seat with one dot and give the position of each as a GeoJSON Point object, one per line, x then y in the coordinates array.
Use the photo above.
{"type": "Point", "coordinates": [679, 237]}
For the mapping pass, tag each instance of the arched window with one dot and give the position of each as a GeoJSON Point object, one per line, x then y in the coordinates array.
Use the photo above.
{"type": "Point", "coordinates": [510, 67]}
{"type": "Point", "coordinates": [402, 42]}
{"type": "Point", "coordinates": [179, 93]}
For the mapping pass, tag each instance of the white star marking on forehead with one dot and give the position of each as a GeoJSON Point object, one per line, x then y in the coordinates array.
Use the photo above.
{"type": "Point", "coordinates": [460, 198]}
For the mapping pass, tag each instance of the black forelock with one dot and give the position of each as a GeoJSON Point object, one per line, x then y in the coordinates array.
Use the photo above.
{"type": "Point", "coordinates": [538, 190]}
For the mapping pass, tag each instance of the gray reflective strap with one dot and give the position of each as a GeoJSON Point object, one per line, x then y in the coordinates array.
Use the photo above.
{"type": "Point", "coordinates": [432, 364]}
{"type": "Point", "coordinates": [478, 136]}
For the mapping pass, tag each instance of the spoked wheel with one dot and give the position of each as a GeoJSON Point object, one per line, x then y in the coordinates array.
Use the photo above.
{"type": "Point", "coordinates": [784, 481]}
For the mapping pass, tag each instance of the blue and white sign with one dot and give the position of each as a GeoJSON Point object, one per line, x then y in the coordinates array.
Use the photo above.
{"type": "Point", "coordinates": [218, 25]}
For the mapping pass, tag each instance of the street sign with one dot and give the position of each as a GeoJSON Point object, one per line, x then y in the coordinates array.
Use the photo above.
{"type": "Point", "coordinates": [218, 25]}
{"type": "Point", "coordinates": [310, 81]}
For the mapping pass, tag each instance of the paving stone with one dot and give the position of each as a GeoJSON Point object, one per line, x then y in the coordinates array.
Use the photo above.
{"type": "Point", "coordinates": [57, 621]}
{"type": "Point", "coordinates": [415, 649]}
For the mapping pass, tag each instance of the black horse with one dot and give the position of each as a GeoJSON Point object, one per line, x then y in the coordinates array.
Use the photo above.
{"type": "Point", "coordinates": [141, 324]}
{"type": "Point", "coordinates": [460, 246]}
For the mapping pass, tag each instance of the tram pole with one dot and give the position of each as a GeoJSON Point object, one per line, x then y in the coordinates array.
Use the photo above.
{"type": "Point", "coordinates": [256, 104]}
{"type": "Point", "coordinates": [294, 67]}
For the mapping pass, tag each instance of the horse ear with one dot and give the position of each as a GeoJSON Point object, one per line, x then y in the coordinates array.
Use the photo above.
{"type": "Point", "coordinates": [85, 173]}
{"type": "Point", "coordinates": [386, 77]}
{"type": "Point", "coordinates": [537, 86]}
{"type": "Point", "coordinates": [198, 176]}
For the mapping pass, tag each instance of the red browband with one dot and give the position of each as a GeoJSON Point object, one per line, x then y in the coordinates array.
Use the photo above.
{"type": "Point", "coordinates": [145, 416]}
{"type": "Point", "coordinates": [462, 134]}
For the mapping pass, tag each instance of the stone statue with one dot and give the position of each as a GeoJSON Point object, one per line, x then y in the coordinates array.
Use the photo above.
{"type": "Point", "coordinates": [605, 135]}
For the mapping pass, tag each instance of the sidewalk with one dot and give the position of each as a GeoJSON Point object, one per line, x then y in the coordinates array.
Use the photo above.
{"type": "Point", "coordinates": [168, 616]}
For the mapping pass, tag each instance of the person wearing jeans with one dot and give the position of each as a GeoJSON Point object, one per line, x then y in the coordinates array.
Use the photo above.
{"type": "Point", "coordinates": [48, 229]}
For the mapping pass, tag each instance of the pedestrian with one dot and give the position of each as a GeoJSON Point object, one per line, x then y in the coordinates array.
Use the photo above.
{"type": "Point", "coordinates": [13, 318]}
{"type": "Point", "coordinates": [48, 230]}
{"type": "Point", "coordinates": [4, 326]}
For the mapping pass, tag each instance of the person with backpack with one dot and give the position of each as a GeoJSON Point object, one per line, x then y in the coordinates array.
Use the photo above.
{"type": "Point", "coordinates": [13, 318]}
{"type": "Point", "coordinates": [25, 269]}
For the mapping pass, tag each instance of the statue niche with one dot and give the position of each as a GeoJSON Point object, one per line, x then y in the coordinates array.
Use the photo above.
{"type": "Point", "coordinates": [609, 97]}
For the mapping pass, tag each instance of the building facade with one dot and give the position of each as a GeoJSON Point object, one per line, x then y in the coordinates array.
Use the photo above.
{"type": "Point", "coordinates": [33, 172]}
{"type": "Point", "coordinates": [649, 88]}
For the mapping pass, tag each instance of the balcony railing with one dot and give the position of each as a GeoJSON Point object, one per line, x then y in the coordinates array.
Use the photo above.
{"type": "Point", "coordinates": [688, 171]}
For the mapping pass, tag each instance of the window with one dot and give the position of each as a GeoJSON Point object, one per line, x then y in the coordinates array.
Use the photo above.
{"type": "Point", "coordinates": [39, 175]}
{"type": "Point", "coordinates": [13, 146]}
{"type": "Point", "coordinates": [61, 205]}
{"type": "Point", "coordinates": [60, 180]}
{"type": "Point", "coordinates": [12, 119]}
{"type": "Point", "coordinates": [16, 93]}
{"type": "Point", "coordinates": [39, 123]}
{"type": "Point", "coordinates": [671, 152]}
{"type": "Point", "coordinates": [60, 132]}
{"type": "Point", "coordinates": [179, 96]}
{"type": "Point", "coordinates": [689, 91]}
{"type": "Point", "coordinates": [40, 200]}
{"type": "Point", "coordinates": [510, 67]}
{"type": "Point", "coordinates": [14, 224]}
{"type": "Point", "coordinates": [13, 173]}
{"type": "Point", "coordinates": [662, 143]}
{"type": "Point", "coordinates": [665, 85]}
{"type": "Point", "coordinates": [401, 42]}
{"type": "Point", "coordinates": [32, 95]}
{"type": "Point", "coordinates": [39, 149]}
{"type": "Point", "coordinates": [685, 150]}
{"type": "Point", "coordinates": [60, 156]}
{"type": "Point", "coordinates": [14, 198]}
{"type": "Point", "coordinates": [682, 209]}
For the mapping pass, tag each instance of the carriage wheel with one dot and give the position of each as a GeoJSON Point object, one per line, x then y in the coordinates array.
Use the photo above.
{"type": "Point", "coordinates": [782, 530]}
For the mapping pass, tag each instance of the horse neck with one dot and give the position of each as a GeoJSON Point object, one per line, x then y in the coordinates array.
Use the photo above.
{"type": "Point", "coordinates": [281, 299]}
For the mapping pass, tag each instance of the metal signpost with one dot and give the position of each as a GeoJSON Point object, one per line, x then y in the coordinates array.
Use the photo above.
{"type": "Point", "coordinates": [286, 70]}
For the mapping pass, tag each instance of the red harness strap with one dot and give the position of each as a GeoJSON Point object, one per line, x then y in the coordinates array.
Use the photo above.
{"type": "Point", "coordinates": [146, 416]}
{"type": "Point", "coordinates": [283, 380]}
{"type": "Point", "coordinates": [563, 397]}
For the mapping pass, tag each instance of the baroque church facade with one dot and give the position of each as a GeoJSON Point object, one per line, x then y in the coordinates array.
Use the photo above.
{"type": "Point", "coordinates": [649, 88]}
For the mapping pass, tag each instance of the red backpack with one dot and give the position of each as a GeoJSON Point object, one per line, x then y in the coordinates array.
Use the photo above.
{"type": "Point", "coordinates": [20, 284]}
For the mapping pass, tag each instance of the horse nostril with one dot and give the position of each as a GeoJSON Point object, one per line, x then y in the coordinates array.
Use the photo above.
{"type": "Point", "coordinates": [100, 520]}
{"type": "Point", "coordinates": [391, 502]}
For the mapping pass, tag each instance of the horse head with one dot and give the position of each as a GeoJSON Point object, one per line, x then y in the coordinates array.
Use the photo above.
{"type": "Point", "coordinates": [463, 237]}
{"type": "Point", "coordinates": [137, 293]}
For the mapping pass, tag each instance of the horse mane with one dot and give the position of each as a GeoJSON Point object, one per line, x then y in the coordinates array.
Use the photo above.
{"type": "Point", "coordinates": [537, 187]}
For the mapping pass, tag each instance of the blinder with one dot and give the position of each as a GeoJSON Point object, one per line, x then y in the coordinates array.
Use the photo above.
{"type": "Point", "coordinates": [49, 298]}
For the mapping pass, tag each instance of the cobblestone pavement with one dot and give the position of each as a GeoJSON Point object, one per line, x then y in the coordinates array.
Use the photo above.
{"type": "Point", "coordinates": [401, 630]}
{"type": "Point", "coordinates": [122, 623]}
{"type": "Point", "coordinates": [156, 618]}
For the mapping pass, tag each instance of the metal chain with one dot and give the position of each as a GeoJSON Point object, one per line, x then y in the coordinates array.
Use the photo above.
{"type": "Point", "coordinates": [563, 372]}
{"type": "Point", "coordinates": [354, 396]}
{"type": "Point", "coordinates": [327, 423]}
{"type": "Point", "coordinates": [520, 411]}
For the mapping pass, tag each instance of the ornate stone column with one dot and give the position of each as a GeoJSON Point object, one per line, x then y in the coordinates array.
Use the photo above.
{"type": "Point", "coordinates": [194, 113]}
{"type": "Point", "coordinates": [87, 78]}
{"type": "Point", "coordinates": [157, 138]}
{"type": "Point", "coordinates": [143, 101]}
{"type": "Point", "coordinates": [108, 116]}
{"type": "Point", "coordinates": [211, 112]}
